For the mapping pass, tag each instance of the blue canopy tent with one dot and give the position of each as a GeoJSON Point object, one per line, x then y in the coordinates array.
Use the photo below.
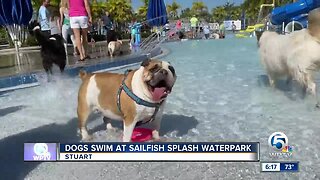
{"type": "Point", "coordinates": [15, 15]}
{"type": "Point", "coordinates": [157, 13]}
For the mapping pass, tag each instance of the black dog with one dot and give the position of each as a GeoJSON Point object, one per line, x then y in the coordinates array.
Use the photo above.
{"type": "Point", "coordinates": [180, 35]}
{"type": "Point", "coordinates": [112, 35]}
{"type": "Point", "coordinates": [52, 49]}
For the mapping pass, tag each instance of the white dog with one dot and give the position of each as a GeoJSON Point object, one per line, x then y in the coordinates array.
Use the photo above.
{"type": "Point", "coordinates": [114, 46]}
{"type": "Point", "coordinates": [294, 56]}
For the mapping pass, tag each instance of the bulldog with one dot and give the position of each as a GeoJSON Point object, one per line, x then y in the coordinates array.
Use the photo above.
{"type": "Point", "coordinates": [114, 46]}
{"type": "Point", "coordinates": [136, 97]}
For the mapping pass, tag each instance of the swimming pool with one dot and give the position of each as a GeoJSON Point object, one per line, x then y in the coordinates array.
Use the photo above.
{"type": "Point", "coordinates": [220, 95]}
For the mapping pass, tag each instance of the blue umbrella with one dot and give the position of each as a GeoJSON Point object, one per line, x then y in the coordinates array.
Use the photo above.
{"type": "Point", "coordinates": [27, 11]}
{"type": "Point", "coordinates": [15, 12]}
{"type": "Point", "coordinates": [6, 12]}
{"type": "Point", "coordinates": [2, 21]}
{"type": "Point", "coordinates": [157, 13]}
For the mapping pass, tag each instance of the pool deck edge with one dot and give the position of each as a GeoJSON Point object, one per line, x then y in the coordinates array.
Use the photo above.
{"type": "Point", "coordinates": [31, 79]}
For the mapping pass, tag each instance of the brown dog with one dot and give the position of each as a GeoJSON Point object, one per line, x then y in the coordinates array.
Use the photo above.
{"type": "Point", "coordinates": [114, 46]}
{"type": "Point", "coordinates": [135, 97]}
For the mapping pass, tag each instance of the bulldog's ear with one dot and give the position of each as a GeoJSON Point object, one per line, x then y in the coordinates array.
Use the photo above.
{"type": "Point", "coordinates": [145, 63]}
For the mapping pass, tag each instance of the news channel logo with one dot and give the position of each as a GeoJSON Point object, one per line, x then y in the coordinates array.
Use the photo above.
{"type": "Point", "coordinates": [40, 151]}
{"type": "Point", "coordinates": [278, 141]}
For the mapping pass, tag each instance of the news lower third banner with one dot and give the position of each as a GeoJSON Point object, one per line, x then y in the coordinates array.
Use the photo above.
{"type": "Point", "coordinates": [160, 151]}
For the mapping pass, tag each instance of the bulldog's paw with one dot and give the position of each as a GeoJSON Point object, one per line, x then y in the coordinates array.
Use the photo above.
{"type": "Point", "coordinates": [88, 138]}
{"type": "Point", "coordinates": [155, 134]}
{"type": "Point", "coordinates": [162, 139]}
{"type": "Point", "coordinates": [110, 127]}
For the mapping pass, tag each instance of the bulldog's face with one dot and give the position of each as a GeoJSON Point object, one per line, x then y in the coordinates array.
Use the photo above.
{"type": "Point", "coordinates": [159, 77]}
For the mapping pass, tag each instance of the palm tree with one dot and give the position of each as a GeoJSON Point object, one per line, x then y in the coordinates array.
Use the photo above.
{"type": "Point", "coordinates": [54, 8]}
{"type": "Point", "coordinates": [37, 3]}
{"type": "Point", "coordinates": [252, 8]}
{"type": "Point", "coordinates": [226, 12]}
{"type": "Point", "coordinates": [119, 15]}
{"type": "Point", "coordinates": [97, 9]}
{"type": "Point", "coordinates": [186, 13]}
{"type": "Point", "coordinates": [142, 11]}
{"type": "Point", "coordinates": [283, 2]}
{"type": "Point", "coordinates": [173, 9]}
{"type": "Point", "coordinates": [235, 12]}
{"type": "Point", "coordinates": [198, 7]}
{"type": "Point", "coordinates": [219, 14]}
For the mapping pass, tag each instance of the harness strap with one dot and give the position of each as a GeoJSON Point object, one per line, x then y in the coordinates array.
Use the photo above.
{"type": "Point", "coordinates": [139, 123]}
{"type": "Point", "coordinates": [135, 98]}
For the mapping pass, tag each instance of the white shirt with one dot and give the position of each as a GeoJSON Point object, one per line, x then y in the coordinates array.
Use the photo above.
{"type": "Point", "coordinates": [44, 18]}
{"type": "Point", "coordinates": [206, 30]}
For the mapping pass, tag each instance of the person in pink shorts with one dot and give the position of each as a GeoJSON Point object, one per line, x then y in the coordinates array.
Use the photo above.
{"type": "Point", "coordinates": [80, 19]}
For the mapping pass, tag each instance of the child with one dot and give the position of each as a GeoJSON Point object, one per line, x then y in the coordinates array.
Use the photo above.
{"type": "Point", "coordinates": [55, 25]}
{"type": "Point", "coordinates": [206, 32]}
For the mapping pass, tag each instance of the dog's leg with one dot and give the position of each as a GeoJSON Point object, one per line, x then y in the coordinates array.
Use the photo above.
{"type": "Point", "coordinates": [108, 124]}
{"type": "Point", "coordinates": [49, 76]}
{"type": "Point", "coordinates": [83, 114]}
{"type": "Point", "coordinates": [313, 90]}
{"type": "Point", "coordinates": [157, 123]}
{"type": "Point", "coordinates": [128, 129]}
{"type": "Point", "coordinates": [66, 48]}
{"type": "Point", "coordinates": [62, 66]}
{"type": "Point", "coordinates": [271, 81]}
{"type": "Point", "coordinates": [289, 80]}
{"type": "Point", "coordinates": [311, 87]}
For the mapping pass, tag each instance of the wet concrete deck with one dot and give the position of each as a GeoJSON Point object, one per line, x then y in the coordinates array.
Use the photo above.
{"type": "Point", "coordinates": [31, 60]}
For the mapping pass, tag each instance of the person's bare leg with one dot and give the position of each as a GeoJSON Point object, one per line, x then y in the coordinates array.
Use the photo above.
{"type": "Point", "coordinates": [76, 33]}
{"type": "Point", "coordinates": [74, 44]}
{"type": "Point", "coordinates": [84, 33]}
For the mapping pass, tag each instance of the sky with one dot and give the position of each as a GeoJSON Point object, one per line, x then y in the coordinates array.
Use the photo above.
{"type": "Point", "coordinates": [188, 3]}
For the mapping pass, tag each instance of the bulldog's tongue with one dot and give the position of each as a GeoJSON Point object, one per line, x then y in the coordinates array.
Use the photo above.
{"type": "Point", "coordinates": [158, 93]}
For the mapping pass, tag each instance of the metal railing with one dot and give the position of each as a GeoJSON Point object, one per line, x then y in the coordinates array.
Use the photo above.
{"type": "Point", "coordinates": [154, 40]}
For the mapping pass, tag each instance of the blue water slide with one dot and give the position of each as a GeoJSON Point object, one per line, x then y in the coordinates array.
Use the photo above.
{"type": "Point", "coordinates": [296, 11]}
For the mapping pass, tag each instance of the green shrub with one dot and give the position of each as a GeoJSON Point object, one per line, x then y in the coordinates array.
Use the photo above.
{"type": "Point", "coordinates": [30, 41]}
{"type": "Point", "coordinates": [3, 36]}
{"type": "Point", "coordinates": [125, 35]}
{"type": "Point", "coordinates": [145, 34]}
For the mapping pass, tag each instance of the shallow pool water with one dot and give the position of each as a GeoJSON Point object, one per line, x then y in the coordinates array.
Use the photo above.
{"type": "Point", "coordinates": [221, 94]}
